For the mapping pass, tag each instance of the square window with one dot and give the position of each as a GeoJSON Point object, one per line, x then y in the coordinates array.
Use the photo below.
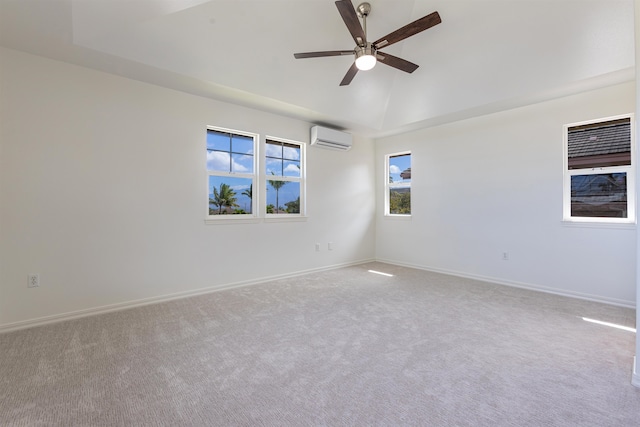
{"type": "Point", "coordinates": [599, 177]}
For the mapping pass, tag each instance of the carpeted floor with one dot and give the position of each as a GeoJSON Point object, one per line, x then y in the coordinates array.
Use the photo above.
{"type": "Point", "coordinates": [342, 347]}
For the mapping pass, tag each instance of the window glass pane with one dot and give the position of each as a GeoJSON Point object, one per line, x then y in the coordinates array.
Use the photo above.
{"type": "Point", "coordinates": [400, 168]}
{"type": "Point", "coordinates": [242, 144]}
{"type": "Point", "coordinates": [291, 168]}
{"type": "Point", "coordinates": [598, 145]}
{"type": "Point", "coordinates": [242, 163]}
{"type": "Point", "coordinates": [218, 140]}
{"type": "Point", "coordinates": [230, 195]}
{"type": "Point", "coordinates": [283, 197]}
{"type": "Point", "coordinates": [218, 161]}
{"type": "Point", "coordinates": [273, 167]}
{"type": "Point", "coordinates": [400, 200]}
{"type": "Point", "coordinates": [290, 152]}
{"type": "Point", "coordinates": [599, 195]}
{"type": "Point", "coordinates": [274, 149]}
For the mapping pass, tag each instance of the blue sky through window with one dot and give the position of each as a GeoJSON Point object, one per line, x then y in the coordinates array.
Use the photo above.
{"type": "Point", "coordinates": [398, 164]}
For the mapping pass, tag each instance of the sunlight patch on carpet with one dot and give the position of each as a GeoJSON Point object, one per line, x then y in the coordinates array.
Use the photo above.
{"type": "Point", "coordinates": [612, 325]}
{"type": "Point", "coordinates": [380, 273]}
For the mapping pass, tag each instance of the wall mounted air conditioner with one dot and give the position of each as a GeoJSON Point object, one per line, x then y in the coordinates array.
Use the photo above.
{"type": "Point", "coordinates": [330, 138]}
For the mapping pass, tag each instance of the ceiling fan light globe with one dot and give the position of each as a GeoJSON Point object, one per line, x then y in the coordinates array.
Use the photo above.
{"type": "Point", "coordinates": [366, 62]}
{"type": "Point", "coordinates": [365, 57]}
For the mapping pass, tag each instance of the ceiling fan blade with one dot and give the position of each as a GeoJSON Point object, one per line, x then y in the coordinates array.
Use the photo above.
{"type": "Point", "coordinates": [395, 62]}
{"type": "Point", "coordinates": [408, 30]}
{"type": "Point", "coordinates": [323, 53]}
{"type": "Point", "coordinates": [350, 75]}
{"type": "Point", "coordinates": [350, 18]}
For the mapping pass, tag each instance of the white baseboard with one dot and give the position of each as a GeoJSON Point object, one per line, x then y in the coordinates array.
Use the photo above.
{"type": "Point", "coordinates": [529, 286]}
{"type": "Point", "coordinates": [9, 327]}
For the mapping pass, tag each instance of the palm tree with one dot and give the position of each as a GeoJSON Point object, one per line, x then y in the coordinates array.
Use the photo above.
{"type": "Point", "coordinates": [225, 197]}
{"type": "Point", "coordinates": [277, 185]}
{"type": "Point", "coordinates": [248, 192]}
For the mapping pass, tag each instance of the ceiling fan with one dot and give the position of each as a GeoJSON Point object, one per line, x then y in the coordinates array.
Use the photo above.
{"type": "Point", "coordinates": [366, 53]}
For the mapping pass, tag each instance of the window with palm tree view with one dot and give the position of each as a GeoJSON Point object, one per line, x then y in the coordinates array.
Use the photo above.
{"type": "Point", "coordinates": [398, 185]}
{"type": "Point", "coordinates": [284, 177]}
{"type": "Point", "coordinates": [231, 170]}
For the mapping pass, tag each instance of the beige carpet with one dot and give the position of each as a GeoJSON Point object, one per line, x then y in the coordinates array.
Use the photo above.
{"type": "Point", "coordinates": [343, 347]}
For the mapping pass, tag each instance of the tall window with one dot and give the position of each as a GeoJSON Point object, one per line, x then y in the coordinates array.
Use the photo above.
{"type": "Point", "coordinates": [398, 185]}
{"type": "Point", "coordinates": [231, 166]}
{"type": "Point", "coordinates": [599, 178]}
{"type": "Point", "coordinates": [284, 169]}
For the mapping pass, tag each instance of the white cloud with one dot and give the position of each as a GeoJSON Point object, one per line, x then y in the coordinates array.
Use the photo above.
{"type": "Point", "coordinates": [394, 169]}
{"type": "Point", "coordinates": [292, 168]}
{"type": "Point", "coordinates": [219, 160]}
{"type": "Point", "coordinates": [291, 153]}
{"type": "Point", "coordinates": [273, 150]}
{"type": "Point", "coordinates": [239, 188]}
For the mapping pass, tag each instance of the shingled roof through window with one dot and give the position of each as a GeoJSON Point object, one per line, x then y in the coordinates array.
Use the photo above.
{"type": "Point", "coordinates": [600, 139]}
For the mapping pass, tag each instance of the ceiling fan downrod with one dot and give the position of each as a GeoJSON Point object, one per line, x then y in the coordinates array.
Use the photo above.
{"type": "Point", "coordinates": [365, 51]}
{"type": "Point", "coordinates": [363, 10]}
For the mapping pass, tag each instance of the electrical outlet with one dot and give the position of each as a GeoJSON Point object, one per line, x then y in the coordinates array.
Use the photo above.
{"type": "Point", "coordinates": [33, 280]}
{"type": "Point", "coordinates": [330, 246]}
{"type": "Point", "coordinates": [317, 247]}
{"type": "Point", "coordinates": [505, 256]}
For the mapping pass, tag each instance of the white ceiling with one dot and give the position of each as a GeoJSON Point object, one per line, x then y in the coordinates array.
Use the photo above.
{"type": "Point", "coordinates": [485, 56]}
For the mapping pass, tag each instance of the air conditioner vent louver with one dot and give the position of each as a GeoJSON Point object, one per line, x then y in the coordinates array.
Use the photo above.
{"type": "Point", "coordinates": [330, 138]}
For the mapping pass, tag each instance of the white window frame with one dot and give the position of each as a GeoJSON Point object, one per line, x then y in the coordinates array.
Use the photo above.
{"type": "Point", "coordinates": [264, 178]}
{"type": "Point", "coordinates": [388, 185]}
{"type": "Point", "coordinates": [252, 217]}
{"type": "Point", "coordinates": [629, 170]}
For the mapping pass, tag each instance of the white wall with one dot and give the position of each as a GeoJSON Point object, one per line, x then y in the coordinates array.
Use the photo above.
{"type": "Point", "coordinates": [493, 184]}
{"type": "Point", "coordinates": [636, 369]}
{"type": "Point", "coordinates": [103, 193]}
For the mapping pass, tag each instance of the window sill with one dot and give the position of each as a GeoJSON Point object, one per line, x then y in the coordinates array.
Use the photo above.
{"type": "Point", "coordinates": [598, 224]}
{"type": "Point", "coordinates": [398, 217]}
{"type": "Point", "coordinates": [236, 220]}
{"type": "Point", "coordinates": [255, 220]}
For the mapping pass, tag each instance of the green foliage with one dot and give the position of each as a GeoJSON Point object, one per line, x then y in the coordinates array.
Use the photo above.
{"type": "Point", "coordinates": [293, 206]}
{"type": "Point", "coordinates": [400, 202]}
{"type": "Point", "coordinates": [248, 192]}
{"type": "Point", "coordinates": [270, 209]}
{"type": "Point", "coordinates": [223, 197]}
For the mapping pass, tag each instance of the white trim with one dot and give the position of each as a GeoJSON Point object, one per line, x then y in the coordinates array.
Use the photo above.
{"type": "Point", "coordinates": [593, 224]}
{"type": "Point", "coordinates": [397, 217]}
{"type": "Point", "coordinates": [635, 378]}
{"type": "Point", "coordinates": [9, 327]}
{"type": "Point", "coordinates": [529, 286]}
{"type": "Point", "coordinates": [232, 219]}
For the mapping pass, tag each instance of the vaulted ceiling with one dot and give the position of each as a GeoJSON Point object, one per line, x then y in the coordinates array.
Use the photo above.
{"type": "Point", "coordinates": [485, 56]}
